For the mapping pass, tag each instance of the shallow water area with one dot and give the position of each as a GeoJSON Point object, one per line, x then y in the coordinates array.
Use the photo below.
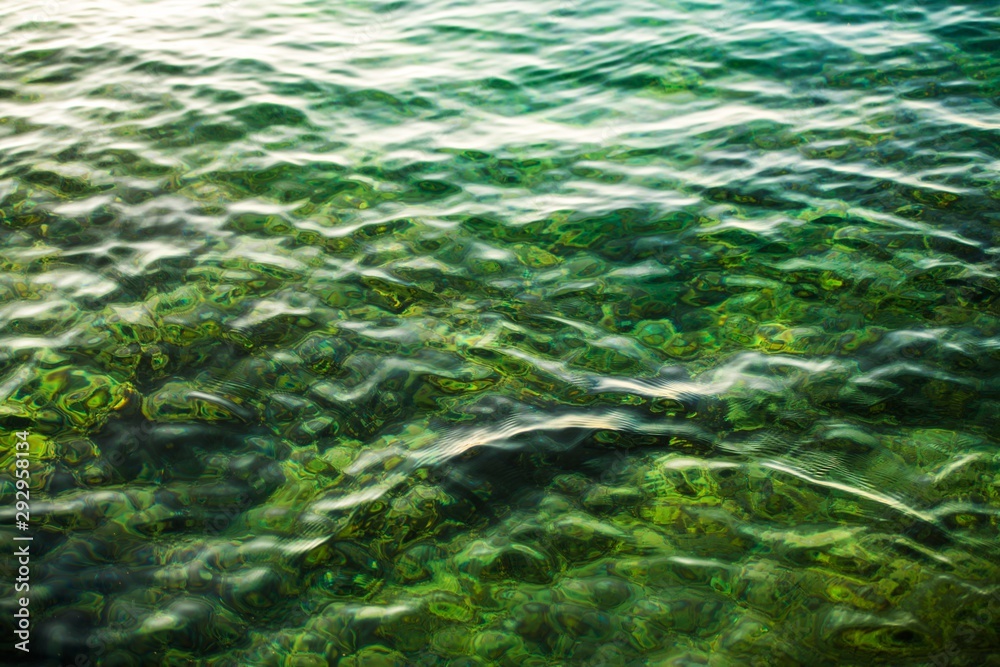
{"type": "Point", "coordinates": [524, 333]}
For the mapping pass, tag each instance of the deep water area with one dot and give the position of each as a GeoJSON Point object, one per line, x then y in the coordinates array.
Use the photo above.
{"type": "Point", "coordinates": [522, 334]}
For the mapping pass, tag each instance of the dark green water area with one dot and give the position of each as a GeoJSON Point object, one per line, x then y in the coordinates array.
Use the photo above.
{"type": "Point", "coordinates": [527, 333]}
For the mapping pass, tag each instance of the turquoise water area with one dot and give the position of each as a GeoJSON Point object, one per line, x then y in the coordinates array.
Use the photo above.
{"type": "Point", "coordinates": [523, 334]}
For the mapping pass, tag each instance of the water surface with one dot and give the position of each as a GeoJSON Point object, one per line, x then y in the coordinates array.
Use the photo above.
{"type": "Point", "coordinates": [518, 333]}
